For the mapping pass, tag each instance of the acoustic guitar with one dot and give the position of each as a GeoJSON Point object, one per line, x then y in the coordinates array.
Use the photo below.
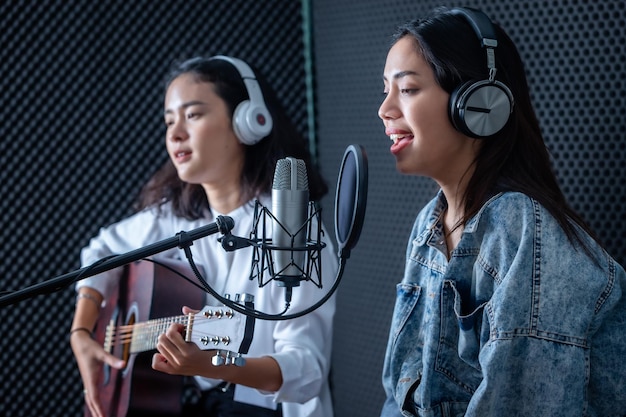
{"type": "Point", "coordinates": [150, 298]}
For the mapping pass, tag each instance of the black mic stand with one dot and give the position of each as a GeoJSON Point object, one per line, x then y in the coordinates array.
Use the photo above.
{"type": "Point", "coordinates": [222, 224]}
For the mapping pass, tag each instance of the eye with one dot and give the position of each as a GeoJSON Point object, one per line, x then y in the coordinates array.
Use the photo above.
{"type": "Point", "coordinates": [408, 91]}
{"type": "Point", "coordinates": [386, 87]}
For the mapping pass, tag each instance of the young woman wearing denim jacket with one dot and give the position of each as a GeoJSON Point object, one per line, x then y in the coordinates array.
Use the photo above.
{"type": "Point", "coordinates": [508, 305]}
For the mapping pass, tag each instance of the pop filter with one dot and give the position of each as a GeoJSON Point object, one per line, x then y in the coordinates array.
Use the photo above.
{"type": "Point", "coordinates": [350, 199]}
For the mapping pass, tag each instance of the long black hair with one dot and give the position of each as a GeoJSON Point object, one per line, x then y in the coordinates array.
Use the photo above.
{"type": "Point", "coordinates": [189, 200]}
{"type": "Point", "coordinates": [514, 159]}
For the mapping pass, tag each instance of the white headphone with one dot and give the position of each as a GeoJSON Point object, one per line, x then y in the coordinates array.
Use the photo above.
{"type": "Point", "coordinates": [251, 119]}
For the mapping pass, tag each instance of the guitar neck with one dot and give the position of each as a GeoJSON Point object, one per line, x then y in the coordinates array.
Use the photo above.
{"type": "Point", "coordinates": [215, 328]}
{"type": "Point", "coordinates": [140, 337]}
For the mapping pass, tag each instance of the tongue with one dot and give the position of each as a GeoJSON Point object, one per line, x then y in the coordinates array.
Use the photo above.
{"type": "Point", "coordinates": [401, 143]}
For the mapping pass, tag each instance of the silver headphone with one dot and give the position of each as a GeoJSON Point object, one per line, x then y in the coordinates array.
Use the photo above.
{"type": "Point", "coordinates": [251, 119]}
{"type": "Point", "coordinates": [481, 108]}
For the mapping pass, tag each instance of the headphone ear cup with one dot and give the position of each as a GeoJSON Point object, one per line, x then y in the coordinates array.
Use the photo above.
{"type": "Point", "coordinates": [480, 108]}
{"type": "Point", "coordinates": [251, 123]}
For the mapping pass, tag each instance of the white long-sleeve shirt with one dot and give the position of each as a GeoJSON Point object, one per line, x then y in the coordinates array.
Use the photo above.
{"type": "Point", "coordinates": [301, 346]}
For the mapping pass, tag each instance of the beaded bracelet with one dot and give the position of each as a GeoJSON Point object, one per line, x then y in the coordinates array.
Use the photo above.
{"type": "Point", "coordinates": [87, 296]}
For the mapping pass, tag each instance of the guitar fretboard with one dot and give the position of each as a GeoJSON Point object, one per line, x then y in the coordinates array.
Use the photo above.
{"type": "Point", "coordinates": [140, 337]}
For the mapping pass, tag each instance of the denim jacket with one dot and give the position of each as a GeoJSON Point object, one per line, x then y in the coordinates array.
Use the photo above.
{"type": "Point", "coordinates": [519, 322]}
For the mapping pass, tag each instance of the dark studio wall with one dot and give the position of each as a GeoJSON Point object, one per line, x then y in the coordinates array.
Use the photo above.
{"type": "Point", "coordinates": [81, 129]}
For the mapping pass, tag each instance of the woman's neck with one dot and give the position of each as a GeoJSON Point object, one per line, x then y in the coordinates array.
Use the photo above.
{"type": "Point", "coordinates": [224, 199]}
{"type": "Point", "coordinates": [454, 214]}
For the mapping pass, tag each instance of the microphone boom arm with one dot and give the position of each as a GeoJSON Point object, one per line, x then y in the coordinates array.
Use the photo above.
{"type": "Point", "coordinates": [222, 224]}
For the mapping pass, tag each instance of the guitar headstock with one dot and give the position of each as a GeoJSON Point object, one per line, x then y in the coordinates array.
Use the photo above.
{"type": "Point", "coordinates": [222, 329]}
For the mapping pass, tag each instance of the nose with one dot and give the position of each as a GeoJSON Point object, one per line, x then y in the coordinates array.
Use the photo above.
{"type": "Point", "coordinates": [176, 131]}
{"type": "Point", "coordinates": [387, 109]}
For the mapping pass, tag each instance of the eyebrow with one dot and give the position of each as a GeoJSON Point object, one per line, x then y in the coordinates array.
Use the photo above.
{"type": "Point", "coordinates": [402, 74]}
{"type": "Point", "coordinates": [185, 106]}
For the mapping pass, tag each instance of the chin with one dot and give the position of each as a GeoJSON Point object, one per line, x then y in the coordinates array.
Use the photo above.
{"type": "Point", "coordinates": [404, 168]}
{"type": "Point", "coordinates": [182, 175]}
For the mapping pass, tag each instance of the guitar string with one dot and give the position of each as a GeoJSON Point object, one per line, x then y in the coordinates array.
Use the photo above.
{"type": "Point", "coordinates": [150, 330]}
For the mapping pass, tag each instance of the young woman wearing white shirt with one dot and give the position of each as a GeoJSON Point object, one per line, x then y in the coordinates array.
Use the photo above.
{"type": "Point", "coordinates": [218, 165]}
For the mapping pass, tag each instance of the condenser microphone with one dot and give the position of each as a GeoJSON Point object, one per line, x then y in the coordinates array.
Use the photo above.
{"type": "Point", "coordinates": [290, 202]}
{"type": "Point", "coordinates": [296, 231]}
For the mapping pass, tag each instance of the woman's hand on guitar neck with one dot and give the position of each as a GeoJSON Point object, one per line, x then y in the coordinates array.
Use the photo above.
{"type": "Point", "coordinates": [90, 356]}
{"type": "Point", "coordinates": [177, 357]}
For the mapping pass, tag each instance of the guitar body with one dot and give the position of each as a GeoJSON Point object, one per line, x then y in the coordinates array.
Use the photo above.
{"type": "Point", "coordinates": [147, 291]}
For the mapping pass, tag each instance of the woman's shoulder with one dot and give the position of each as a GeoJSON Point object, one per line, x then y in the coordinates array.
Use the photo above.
{"type": "Point", "coordinates": [510, 199]}
{"type": "Point", "coordinates": [515, 217]}
{"type": "Point", "coordinates": [509, 218]}
{"type": "Point", "coordinates": [514, 209]}
{"type": "Point", "coordinates": [509, 207]}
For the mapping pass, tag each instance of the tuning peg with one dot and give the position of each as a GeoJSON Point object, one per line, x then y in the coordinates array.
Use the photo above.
{"type": "Point", "coordinates": [238, 360]}
{"type": "Point", "coordinates": [244, 298]}
{"type": "Point", "coordinates": [206, 340]}
{"type": "Point", "coordinates": [218, 360]}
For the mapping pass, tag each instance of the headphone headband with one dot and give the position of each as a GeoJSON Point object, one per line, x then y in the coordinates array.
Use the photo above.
{"type": "Point", "coordinates": [480, 23]}
{"type": "Point", "coordinates": [485, 32]}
